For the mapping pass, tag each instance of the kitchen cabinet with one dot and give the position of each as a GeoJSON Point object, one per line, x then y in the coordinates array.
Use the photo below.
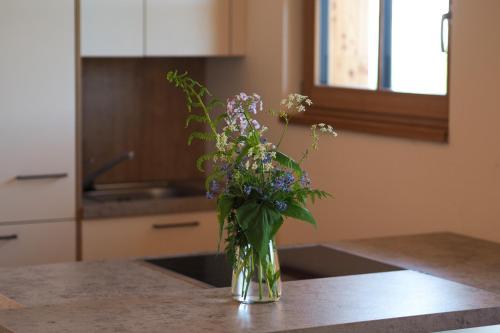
{"type": "Point", "coordinates": [149, 235]}
{"type": "Point", "coordinates": [37, 110]}
{"type": "Point", "coordinates": [187, 27]}
{"type": "Point", "coordinates": [37, 131]}
{"type": "Point", "coordinates": [112, 28]}
{"type": "Point", "coordinates": [37, 243]}
{"type": "Point", "coordinates": [163, 28]}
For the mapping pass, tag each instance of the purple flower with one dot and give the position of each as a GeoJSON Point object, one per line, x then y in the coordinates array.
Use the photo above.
{"type": "Point", "coordinates": [280, 205]}
{"type": "Point", "coordinates": [267, 159]}
{"type": "Point", "coordinates": [305, 181]}
{"type": "Point", "coordinates": [210, 195]}
{"type": "Point", "coordinates": [247, 189]}
{"type": "Point", "coordinates": [283, 182]}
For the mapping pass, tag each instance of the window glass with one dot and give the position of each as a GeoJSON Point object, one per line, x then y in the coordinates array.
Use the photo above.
{"type": "Point", "coordinates": [418, 65]}
{"type": "Point", "coordinates": [348, 43]}
{"type": "Point", "coordinates": [411, 57]}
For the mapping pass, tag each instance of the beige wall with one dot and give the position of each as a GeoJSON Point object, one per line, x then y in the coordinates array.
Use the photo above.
{"type": "Point", "coordinates": [383, 185]}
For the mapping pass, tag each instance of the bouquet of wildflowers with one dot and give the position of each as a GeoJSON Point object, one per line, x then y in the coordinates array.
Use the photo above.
{"type": "Point", "coordinates": [255, 184]}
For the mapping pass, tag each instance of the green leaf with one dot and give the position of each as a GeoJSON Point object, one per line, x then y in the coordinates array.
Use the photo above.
{"type": "Point", "coordinates": [215, 175]}
{"type": "Point", "coordinates": [200, 136]}
{"type": "Point", "coordinates": [203, 158]}
{"type": "Point", "coordinates": [215, 103]}
{"type": "Point", "coordinates": [259, 223]}
{"type": "Point", "coordinates": [224, 207]}
{"type": "Point", "coordinates": [288, 162]}
{"type": "Point", "coordinates": [300, 213]}
{"type": "Point", "coordinates": [195, 117]}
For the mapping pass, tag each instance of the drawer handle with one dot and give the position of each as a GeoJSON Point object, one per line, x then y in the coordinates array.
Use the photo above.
{"type": "Point", "coordinates": [176, 225]}
{"type": "Point", "coordinates": [8, 237]}
{"type": "Point", "coordinates": [42, 176]}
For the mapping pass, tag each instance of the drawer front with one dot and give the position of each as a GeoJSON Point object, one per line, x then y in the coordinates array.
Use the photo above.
{"type": "Point", "coordinates": [149, 236]}
{"type": "Point", "coordinates": [37, 243]}
{"type": "Point", "coordinates": [50, 197]}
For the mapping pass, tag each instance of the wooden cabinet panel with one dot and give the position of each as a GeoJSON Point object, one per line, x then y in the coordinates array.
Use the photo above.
{"type": "Point", "coordinates": [149, 236]}
{"type": "Point", "coordinates": [37, 243]}
{"type": "Point", "coordinates": [37, 109]}
{"type": "Point", "coordinates": [187, 27]}
{"type": "Point", "coordinates": [112, 28]}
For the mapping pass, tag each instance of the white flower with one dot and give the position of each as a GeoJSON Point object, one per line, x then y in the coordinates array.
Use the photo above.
{"type": "Point", "coordinates": [221, 142]}
{"type": "Point", "coordinates": [247, 164]}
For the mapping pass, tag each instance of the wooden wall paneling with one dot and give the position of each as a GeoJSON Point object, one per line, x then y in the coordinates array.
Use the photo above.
{"type": "Point", "coordinates": [129, 105]}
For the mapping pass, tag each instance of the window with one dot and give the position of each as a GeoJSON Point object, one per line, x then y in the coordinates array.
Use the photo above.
{"type": "Point", "coordinates": [378, 66]}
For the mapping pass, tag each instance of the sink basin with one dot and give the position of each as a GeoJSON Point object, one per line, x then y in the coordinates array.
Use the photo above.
{"type": "Point", "coordinates": [299, 263]}
{"type": "Point", "coordinates": [132, 192]}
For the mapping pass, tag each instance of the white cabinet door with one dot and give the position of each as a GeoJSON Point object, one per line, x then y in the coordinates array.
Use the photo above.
{"type": "Point", "coordinates": [112, 28]}
{"type": "Point", "coordinates": [187, 27]}
{"type": "Point", "coordinates": [149, 235]}
{"type": "Point", "coordinates": [37, 243]}
{"type": "Point", "coordinates": [37, 109]}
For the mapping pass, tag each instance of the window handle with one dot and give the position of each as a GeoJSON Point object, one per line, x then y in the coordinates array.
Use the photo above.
{"type": "Point", "coordinates": [176, 225]}
{"type": "Point", "coordinates": [8, 237]}
{"type": "Point", "coordinates": [446, 17]}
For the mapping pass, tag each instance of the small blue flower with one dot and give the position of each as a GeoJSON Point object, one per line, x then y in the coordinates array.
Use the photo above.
{"type": "Point", "coordinates": [280, 205]}
{"type": "Point", "coordinates": [247, 189]}
{"type": "Point", "coordinates": [210, 195]}
{"type": "Point", "coordinates": [267, 159]}
{"type": "Point", "coordinates": [305, 181]}
{"type": "Point", "coordinates": [214, 186]}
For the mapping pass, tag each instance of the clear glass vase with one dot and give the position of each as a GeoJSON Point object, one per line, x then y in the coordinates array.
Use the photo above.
{"type": "Point", "coordinates": [255, 279]}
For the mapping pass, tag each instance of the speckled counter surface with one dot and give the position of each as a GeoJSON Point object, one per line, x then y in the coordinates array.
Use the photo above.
{"type": "Point", "coordinates": [402, 301]}
{"type": "Point", "coordinates": [33, 286]}
{"type": "Point", "coordinates": [96, 210]}
{"type": "Point", "coordinates": [454, 257]}
{"type": "Point", "coordinates": [126, 296]}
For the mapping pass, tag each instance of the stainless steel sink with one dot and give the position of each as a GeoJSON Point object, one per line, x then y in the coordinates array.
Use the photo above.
{"type": "Point", "coordinates": [142, 191]}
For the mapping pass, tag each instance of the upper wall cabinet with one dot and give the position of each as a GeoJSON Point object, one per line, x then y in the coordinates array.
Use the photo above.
{"type": "Point", "coordinates": [112, 28]}
{"type": "Point", "coordinates": [161, 28]}
{"type": "Point", "coordinates": [187, 27]}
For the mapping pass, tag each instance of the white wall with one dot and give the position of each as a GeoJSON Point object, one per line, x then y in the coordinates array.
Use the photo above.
{"type": "Point", "coordinates": [384, 185]}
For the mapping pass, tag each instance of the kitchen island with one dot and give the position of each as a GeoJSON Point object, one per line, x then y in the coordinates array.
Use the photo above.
{"type": "Point", "coordinates": [131, 296]}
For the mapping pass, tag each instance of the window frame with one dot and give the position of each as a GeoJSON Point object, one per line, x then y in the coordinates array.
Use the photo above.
{"type": "Point", "coordinates": [407, 115]}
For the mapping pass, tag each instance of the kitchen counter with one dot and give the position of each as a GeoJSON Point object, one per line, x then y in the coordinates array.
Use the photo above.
{"type": "Point", "coordinates": [133, 297]}
{"type": "Point", "coordinates": [94, 209]}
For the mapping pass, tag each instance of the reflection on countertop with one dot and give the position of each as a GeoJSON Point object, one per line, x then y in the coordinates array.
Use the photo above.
{"type": "Point", "coordinates": [136, 199]}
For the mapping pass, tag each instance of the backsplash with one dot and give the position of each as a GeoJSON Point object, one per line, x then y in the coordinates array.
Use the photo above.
{"type": "Point", "coordinates": [129, 106]}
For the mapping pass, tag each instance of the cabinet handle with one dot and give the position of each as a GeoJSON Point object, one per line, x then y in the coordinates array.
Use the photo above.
{"type": "Point", "coordinates": [176, 225]}
{"type": "Point", "coordinates": [42, 176]}
{"type": "Point", "coordinates": [8, 237]}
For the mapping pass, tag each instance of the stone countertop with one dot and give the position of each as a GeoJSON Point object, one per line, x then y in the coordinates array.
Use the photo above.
{"type": "Point", "coordinates": [93, 209]}
{"type": "Point", "coordinates": [402, 301]}
{"type": "Point", "coordinates": [63, 283]}
{"type": "Point", "coordinates": [132, 297]}
{"type": "Point", "coordinates": [471, 261]}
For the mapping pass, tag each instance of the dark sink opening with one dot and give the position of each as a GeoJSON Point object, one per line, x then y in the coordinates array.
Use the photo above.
{"type": "Point", "coordinates": [300, 263]}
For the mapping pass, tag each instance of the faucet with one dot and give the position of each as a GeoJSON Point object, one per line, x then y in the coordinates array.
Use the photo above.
{"type": "Point", "coordinates": [88, 182]}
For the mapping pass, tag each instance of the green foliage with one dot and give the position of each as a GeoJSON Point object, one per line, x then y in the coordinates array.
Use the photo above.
{"type": "Point", "coordinates": [200, 136]}
{"type": "Point", "coordinates": [260, 184]}
{"type": "Point", "coordinates": [300, 213]}
{"type": "Point", "coordinates": [288, 162]}
{"type": "Point", "coordinates": [259, 223]}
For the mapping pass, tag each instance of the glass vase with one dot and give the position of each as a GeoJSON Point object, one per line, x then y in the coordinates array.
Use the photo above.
{"type": "Point", "coordinates": [255, 279]}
